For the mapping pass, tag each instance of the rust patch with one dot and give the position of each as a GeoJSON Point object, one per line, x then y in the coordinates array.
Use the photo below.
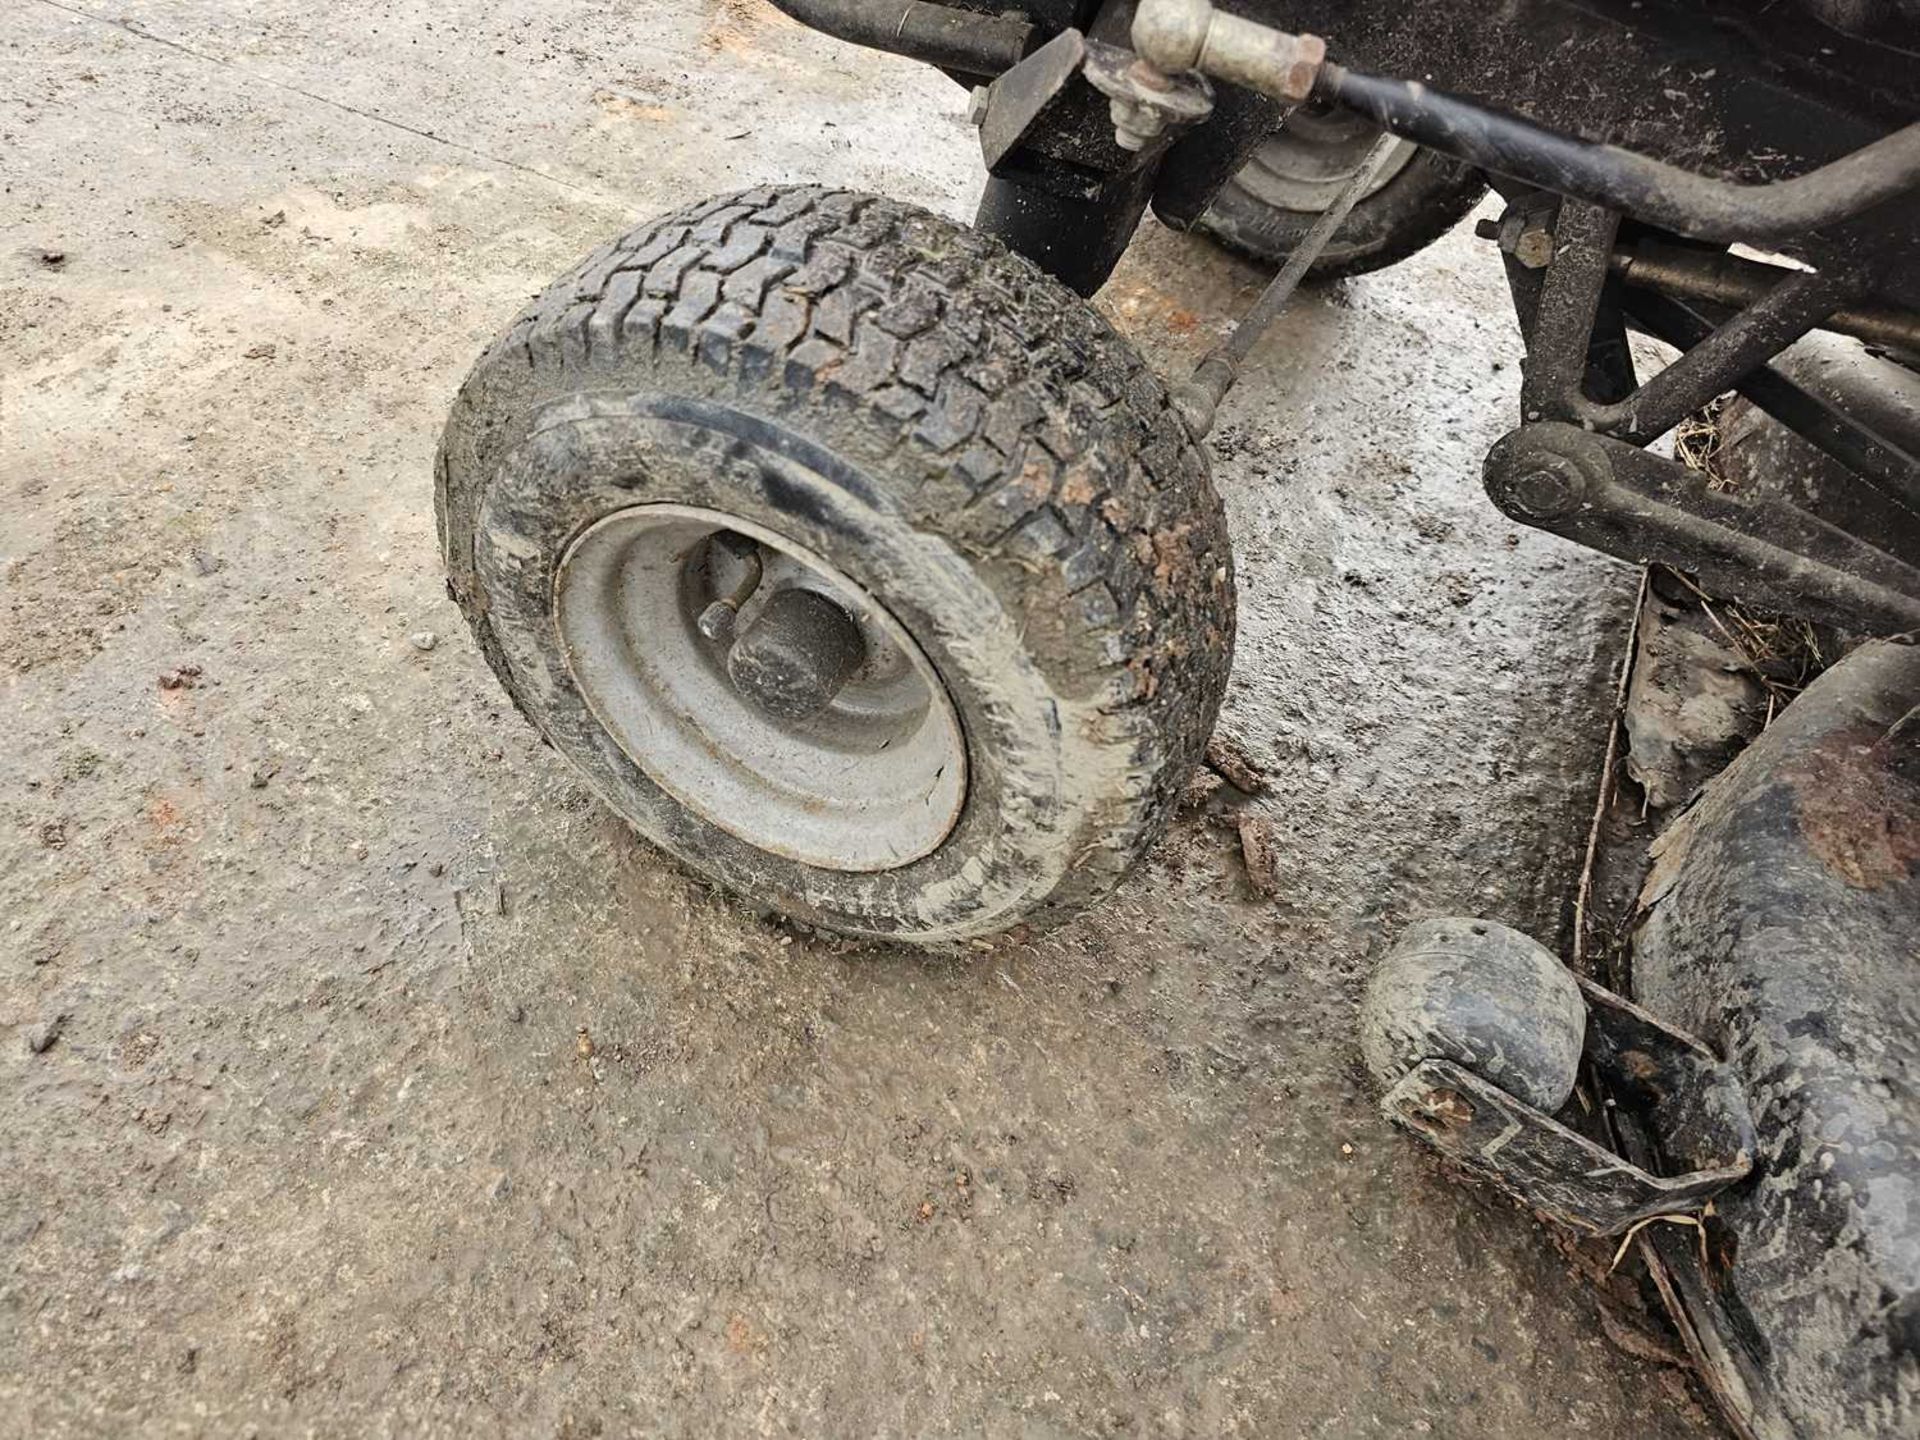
{"type": "Point", "coordinates": [626, 107]}
{"type": "Point", "coordinates": [1859, 818]}
{"type": "Point", "coordinates": [1260, 853]}
{"type": "Point", "coordinates": [1150, 308]}
{"type": "Point", "coordinates": [165, 818]}
{"type": "Point", "coordinates": [738, 29]}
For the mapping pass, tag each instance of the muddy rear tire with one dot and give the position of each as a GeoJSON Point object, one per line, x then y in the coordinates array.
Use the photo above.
{"type": "Point", "coordinates": [964, 450]}
{"type": "Point", "coordinates": [1265, 211]}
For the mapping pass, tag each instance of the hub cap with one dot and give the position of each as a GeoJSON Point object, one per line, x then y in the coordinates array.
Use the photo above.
{"type": "Point", "coordinates": [873, 778]}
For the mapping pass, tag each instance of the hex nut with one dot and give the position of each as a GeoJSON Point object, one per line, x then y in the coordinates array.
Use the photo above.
{"type": "Point", "coordinates": [1552, 486]}
{"type": "Point", "coordinates": [1534, 247]}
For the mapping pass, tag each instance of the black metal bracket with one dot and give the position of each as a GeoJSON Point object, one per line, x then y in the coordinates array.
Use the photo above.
{"type": "Point", "coordinates": [1617, 498]}
{"type": "Point", "coordinates": [1850, 554]}
{"type": "Point", "coordinates": [1687, 1097]}
{"type": "Point", "coordinates": [1010, 106]}
{"type": "Point", "coordinates": [1883, 463]}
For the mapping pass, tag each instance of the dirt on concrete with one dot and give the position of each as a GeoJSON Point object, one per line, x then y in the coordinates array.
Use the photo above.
{"type": "Point", "coordinates": [364, 1077]}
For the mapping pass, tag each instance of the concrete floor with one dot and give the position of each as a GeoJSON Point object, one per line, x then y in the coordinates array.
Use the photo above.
{"type": "Point", "coordinates": [395, 1088]}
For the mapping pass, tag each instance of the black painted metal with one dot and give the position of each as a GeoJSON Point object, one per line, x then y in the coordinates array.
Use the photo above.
{"type": "Point", "coordinates": [1885, 462]}
{"type": "Point", "coordinates": [1072, 223]}
{"type": "Point", "coordinates": [796, 655]}
{"type": "Point", "coordinates": [1778, 924]}
{"type": "Point", "coordinates": [1206, 157]}
{"type": "Point", "coordinates": [1744, 90]}
{"type": "Point", "coordinates": [1665, 195]}
{"type": "Point", "coordinates": [1565, 309]}
{"type": "Point", "coordinates": [1682, 1092]}
{"type": "Point", "coordinates": [951, 38]}
{"type": "Point", "coordinates": [1643, 507]}
{"type": "Point", "coordinates": [1016, 102]}
{"type": "Point", "coordinates": [1730, 89]}
{"type": "Point", "coordinates": [1724, 356]}
{"type": "Point", "coordinates": [1692, 272]}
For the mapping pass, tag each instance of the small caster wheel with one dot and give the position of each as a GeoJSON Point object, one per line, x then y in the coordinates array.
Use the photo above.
{"type": "Point", "coordinates": [849, 558]}
{"type": "Point", "coordinates": [1487, 998]}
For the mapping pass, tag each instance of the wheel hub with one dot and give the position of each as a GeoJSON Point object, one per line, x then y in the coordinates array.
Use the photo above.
{"type": "Point", "coordinates": [797, 655]}
{"type": "Point", "coordinates": [761, 687]}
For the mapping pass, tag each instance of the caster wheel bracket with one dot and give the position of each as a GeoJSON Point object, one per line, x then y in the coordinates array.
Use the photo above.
{"type": "Point", "coordinates": [1687, 1098]}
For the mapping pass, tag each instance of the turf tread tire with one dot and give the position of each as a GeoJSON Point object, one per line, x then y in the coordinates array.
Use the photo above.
{"type": "Point", "coordinates": [1424, 201]}
{"type": "Point", "coordinates": [1002, 413]}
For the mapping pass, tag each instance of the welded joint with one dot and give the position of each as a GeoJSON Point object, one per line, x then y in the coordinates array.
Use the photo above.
{"type": "Point", "coordinates": [1180, 35]}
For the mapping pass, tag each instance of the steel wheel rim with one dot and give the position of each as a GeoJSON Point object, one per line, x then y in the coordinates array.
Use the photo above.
{"type": "Point", "coordinates": [1304, 165]}
{"type": "Point", "coordinates": [876, 781]}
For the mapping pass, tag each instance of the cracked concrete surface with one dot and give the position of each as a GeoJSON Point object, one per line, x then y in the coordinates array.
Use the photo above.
{"type": "Point", "coordinates": [384, 1084]}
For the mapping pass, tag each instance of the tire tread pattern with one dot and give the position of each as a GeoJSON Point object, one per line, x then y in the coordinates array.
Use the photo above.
{"type": "Point", "coordinates": [1009, 416]}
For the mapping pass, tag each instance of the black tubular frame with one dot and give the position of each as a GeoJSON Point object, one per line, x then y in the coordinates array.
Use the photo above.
{"type": "Point", "coordinates": [1578, 464]}
{"type": "Point", "coordinates": [951, 38]}
{"type": "Point", "coordinates": [1686, 203]}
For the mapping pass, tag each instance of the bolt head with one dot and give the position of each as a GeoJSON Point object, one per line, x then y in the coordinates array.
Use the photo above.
{"type": "Point", "coordinates": [1309, 54]}
{"type": "Point", "coordinates": [716, 622]}
{"type": "Point", "coordinates": [1134, 126]}
{"type": "Point", "coordinates": [1551, 486]}
{"type": "Point", "coordinates": [1534, 248]}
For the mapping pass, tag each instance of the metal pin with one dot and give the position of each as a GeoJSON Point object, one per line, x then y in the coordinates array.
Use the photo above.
{"type": "Point", "coordinates": [716, 622]}
{"type": "Point", "coordinates": [1200, 397]}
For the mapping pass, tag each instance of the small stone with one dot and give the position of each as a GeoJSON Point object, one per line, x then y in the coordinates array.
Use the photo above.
{"type": "Point", "coordinates": [40, 1036]}
{"type": "Point", "coordinates": [53, 259]}
{"type": "Point", "coordinates": [181, 677]}
{"type": "Point", "coordinates": [516, 1013]}
{"type": "Point", "coordinates": [423, 640]}
{"type": "Point", "coordinates": [265, 350]}
{"type": "Point", "coordinates": [436, 869]}
{"type": "Point", "coordinates": [501, 1188]}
